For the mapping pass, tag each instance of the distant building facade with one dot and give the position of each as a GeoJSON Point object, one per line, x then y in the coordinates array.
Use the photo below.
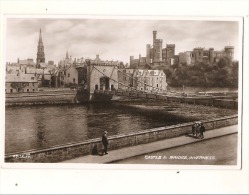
{"type": "Point", "coordinates": [143, 80]}
{"type": "Point", "coordinates": [150, 81]}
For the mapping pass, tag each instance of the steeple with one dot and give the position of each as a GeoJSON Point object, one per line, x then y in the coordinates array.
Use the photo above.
{"type": "Point", "coordinates": [40, 38]}
{"type": "Point", "coordinates": [67, 55]}
{"type": "Point", "coordinates": [40, 51]}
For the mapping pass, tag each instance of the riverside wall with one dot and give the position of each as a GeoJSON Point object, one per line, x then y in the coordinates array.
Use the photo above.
{"type": "Point", "coordinates": [74, 150]}
{"type": "Point", "coordinates": [43, 97]}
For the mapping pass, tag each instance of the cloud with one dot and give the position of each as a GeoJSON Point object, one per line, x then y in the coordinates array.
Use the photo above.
{"type": "Point", "coordinates": [111, 39]}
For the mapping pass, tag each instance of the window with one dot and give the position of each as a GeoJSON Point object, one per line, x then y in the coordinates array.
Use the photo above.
{"type": "Point", "coordinates": [68, 74]}
{"type": "Point", "coordinates": [73, 80]}
{"type": "Point", "coordinates": [156, 85]}
{"type": "Point", "coordinates": [27, 90]}
{"type": "Point", "coordinates": [11, 90]}
{"type": "Point", "coordinates": [33, 89]}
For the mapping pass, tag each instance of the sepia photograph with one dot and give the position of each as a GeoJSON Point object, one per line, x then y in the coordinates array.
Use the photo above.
{"type": "Point", "coordinates": [123, 91]}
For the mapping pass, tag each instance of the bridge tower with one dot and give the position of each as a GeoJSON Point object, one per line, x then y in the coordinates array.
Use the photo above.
{"type": "Point", "coordinates": [101, 76]}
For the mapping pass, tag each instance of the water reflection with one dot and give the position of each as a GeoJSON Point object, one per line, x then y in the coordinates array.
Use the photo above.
{"type": "Point", "coordinates": [41, 138]}
{"type": "Point", "coordinates": [42, 126]}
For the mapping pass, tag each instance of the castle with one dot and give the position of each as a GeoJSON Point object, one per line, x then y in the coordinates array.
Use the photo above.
{"type": "Point", "coordinates": [209, 56]}
{"type": "Point", "coordinates": [155, 55]}
{"type": "Point", "coordinates": [158, 56]}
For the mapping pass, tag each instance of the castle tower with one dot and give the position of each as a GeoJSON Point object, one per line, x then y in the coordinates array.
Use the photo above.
{"type": "Point", "coordinates": [211, 55]}
{"type": "Point", "coordinates": [154, 37]}
{"type": "Point", "coordinates": [40, 51]}
{"type": "Point", "coordinates": [148, 51]}
{"type": "Point", "coordinates": [229, 50]}
{"type": "Point", "coordinates": [157, 50]}
{"type": "Point", "coordinates": [198, 54]}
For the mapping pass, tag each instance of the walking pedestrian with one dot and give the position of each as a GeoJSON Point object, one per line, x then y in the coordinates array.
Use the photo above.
{"type": "Point", "coordinates": [202, 130]}
{"type": "Point", "coordinates": [105, 142]}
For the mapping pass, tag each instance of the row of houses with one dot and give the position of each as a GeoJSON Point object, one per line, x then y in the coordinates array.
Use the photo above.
{"type": "Point", "coordinates": [42, 77]}
{"type": "Point", "coordinates": [72, 73]}
{"type": "Point", "coordinates": [32, 80]}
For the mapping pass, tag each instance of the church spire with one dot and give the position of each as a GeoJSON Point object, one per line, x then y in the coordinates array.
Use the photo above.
{"type": "Point", "coordinates": [40, 51]}
{"type": "Point", "coordinates": [40, 38]}
{"type": "Point", "coordinates": [67, 55]}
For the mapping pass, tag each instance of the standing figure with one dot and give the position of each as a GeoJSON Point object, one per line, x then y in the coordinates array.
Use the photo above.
{"type": "Point", "coordinates": [194, 128]}
{"type": "Point", "coordinates": [202, 130]}
{"type": "Point", "coordinates": [105, 142]}
{"type": "Point", "coordinates": [197, 130]}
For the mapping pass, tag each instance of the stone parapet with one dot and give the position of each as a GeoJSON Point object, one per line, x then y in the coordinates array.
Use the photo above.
{"type": "Point", "coordinates": [74, 150]}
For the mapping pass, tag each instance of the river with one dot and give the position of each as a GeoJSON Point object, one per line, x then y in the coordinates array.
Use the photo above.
{"type": "Point", "coordinates": [43, 126]}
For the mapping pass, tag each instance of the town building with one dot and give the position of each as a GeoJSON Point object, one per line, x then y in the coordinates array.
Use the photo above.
{"type": "Point", "coordinates": [43, 76]}
{"type": "Point", "coordinates": [71, 77]}
{"type": "Point", "coordinates": [27, 62]}
{"type": "Point", "coordinates": [142, 80]}
{"type": "Point", "coordinates": [156, 55]}
{"type": "Point", "coordinates": [66, 62]}
{"type": "Point", "coordinates": [125, 78]}
{"type": "Point", "coordinates": [18, 83]}
{"type": "Point", "coordinates": [153, 81]}
{"type": "Point", "coordinates": [58, 78]}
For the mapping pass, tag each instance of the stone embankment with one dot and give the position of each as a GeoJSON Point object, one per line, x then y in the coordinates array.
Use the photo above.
{"type": "Point", "coordinates": [41, 97]}
{"type": "Point", "coordinates": [74, 150]}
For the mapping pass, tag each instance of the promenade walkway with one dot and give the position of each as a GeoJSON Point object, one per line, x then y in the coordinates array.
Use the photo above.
{"type": "Point", "coordinates": [128, 152]}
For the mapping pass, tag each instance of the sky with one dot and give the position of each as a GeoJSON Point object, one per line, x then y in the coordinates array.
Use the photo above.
{"type": "Point", "coordinates": [112, 39]}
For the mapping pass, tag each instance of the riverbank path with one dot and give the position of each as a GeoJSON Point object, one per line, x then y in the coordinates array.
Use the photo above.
{"type": "Point", "coordinates": [128, 152]}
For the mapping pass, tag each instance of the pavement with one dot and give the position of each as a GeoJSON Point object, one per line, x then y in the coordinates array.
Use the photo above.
{"type": "Point", "coordinates": [128, 152]}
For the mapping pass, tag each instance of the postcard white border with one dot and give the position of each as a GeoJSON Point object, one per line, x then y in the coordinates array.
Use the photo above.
{"type": "Point", "coordinates": [133, 181]}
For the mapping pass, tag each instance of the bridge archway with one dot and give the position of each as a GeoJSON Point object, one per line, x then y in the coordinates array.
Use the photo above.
{"type": "Point", "coordinates": [104, 83]}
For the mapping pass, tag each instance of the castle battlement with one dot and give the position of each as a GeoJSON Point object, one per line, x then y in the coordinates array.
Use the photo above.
{"type": "Point", "coordinates": [170, 45]}
{"type": "Point", "coordinates": [158, 40]}
{"type": "Point", "coordinates": [198, 48]}
{"type": "Point", "coordinates": [229, 47]}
